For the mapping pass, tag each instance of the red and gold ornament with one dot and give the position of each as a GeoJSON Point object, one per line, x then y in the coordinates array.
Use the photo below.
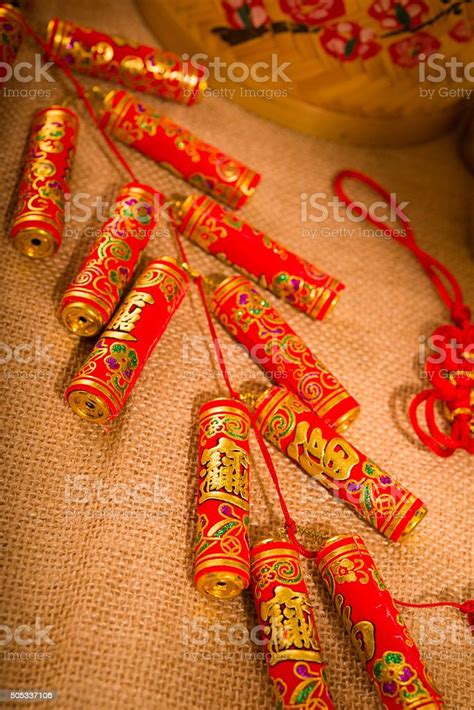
{"type": "Point", "coordinates": [91, 298]}
{"type": "Point", "coordinates": [378, 632]}
{"type": "Point", "coordinates": [338, 465]}
{"type": "Point", "coordinates": [38, 224]}
{"type": "Point", "coordinates": [103, 384]}
{"type": "Point", "coordinates": [175, 148]}
{"type": "Point", "coordinates": [226, 235]}
{"type": "Point", "coordinates": [288, 627]}
{"type": "Point", "coordinates": [222, 561]}
{"type": "Point", "coordinates": [136, 66]}
{"type": "Point", "coordinates": [280, 352]}
{"type": "Point", "coordinates": [11, 35]}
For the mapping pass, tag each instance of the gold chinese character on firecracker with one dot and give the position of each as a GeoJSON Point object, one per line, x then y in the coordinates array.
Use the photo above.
{"type": "Point", "coordinates": [225, 471]}
{"type": "Point", "coordinates": [127, 316]}
{"type": "Point", "coordinates": [317, 456]}
{"type": "Point", "coordinates": [291, 632]}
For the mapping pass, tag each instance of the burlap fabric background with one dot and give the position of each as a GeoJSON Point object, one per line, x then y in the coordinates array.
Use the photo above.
{"type": "Point", "coordinates": [113, 579]}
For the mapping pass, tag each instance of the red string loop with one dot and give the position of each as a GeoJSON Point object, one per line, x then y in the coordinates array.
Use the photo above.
{"type": "Point", "coordinates": [450, 369]}
{"type": "Point", "coordinates": [466, 608]}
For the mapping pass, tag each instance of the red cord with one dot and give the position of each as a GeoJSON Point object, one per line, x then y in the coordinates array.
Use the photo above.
{"type": "Point", "coordinates": [452, 379]}
{"type": "Point", "coordinates": [466, 607]}
{"type": "Point", "coordinates": [290, 524]}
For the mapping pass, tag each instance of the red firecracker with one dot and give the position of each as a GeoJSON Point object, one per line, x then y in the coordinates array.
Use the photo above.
{"type": "Point", "coordinates": [227, 236]}
{"type": "Point", "coordinates": [103, 384]}
{"type": "Point", "coordinates": [175, 148]}
{"type": "Point", "coordinates": [377, 630]}
{"type": "Point", "coordinates": [288, 628]}
{"type": "Point", "coordinates": [284, 357]}
{"type": "Point", "coordinates": [38, 224]}
{"type": "Point", "coordinates": [93, 295]}
{"type": "Point", "coordinates": [136, 66]}
{"type": "Point", "coordinates": [222, 564]}
{"type": "Point", "coordinates": [341, 468]}
{"type": "Point", "coordinates": [10, 35]}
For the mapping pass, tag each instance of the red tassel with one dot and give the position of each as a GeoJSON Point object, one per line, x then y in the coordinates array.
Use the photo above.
{"type": "Point", "coordinates": [468, 609]}
{"type": "Point", "coordinates": [451, 375]}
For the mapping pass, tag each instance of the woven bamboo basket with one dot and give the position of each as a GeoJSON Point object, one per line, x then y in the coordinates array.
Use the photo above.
{"type": "Point", "coordinates": [354, 67]}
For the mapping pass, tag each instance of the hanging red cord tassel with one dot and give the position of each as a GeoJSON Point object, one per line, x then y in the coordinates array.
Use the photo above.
{"type": "Point", "coordinates": [451, 369]}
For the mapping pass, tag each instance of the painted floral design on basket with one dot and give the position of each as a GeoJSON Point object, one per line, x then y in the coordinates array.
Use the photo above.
{"type": "Point", "coordinates": [397, 14]}
{"type": "Point", "coordinates": [406, 52]}
{"type": "Point", "coordinates": [462, 31]}
{"type": "Point", "coordinates": [243, 14]}
{"type": "Point", "coordinates": [313, 12]}
{"type": "Point", "coordinates": [347, 41]}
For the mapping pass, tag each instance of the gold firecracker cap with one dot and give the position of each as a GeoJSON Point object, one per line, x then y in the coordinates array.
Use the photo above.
{"type": "Point", "coordinates": [89, 406]}
{"type": "Point", "coordinates": [82, 319]}
{"type": "Point", "coordinates": [345, 421]}
{"type": "Point", "coordinates": [36, 243]}
{"type": "Point", "coordinates": [417, 518]}
{"type": "Point", "coordinates": [8, 10]}
{"type": "Point", "coordinates": [220, 585]}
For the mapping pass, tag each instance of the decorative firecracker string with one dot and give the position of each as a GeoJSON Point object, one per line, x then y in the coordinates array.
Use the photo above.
{"type": "Point", "coordinates": [457, 309]}
{"type": "Point", "coordinates": [455, 391]}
